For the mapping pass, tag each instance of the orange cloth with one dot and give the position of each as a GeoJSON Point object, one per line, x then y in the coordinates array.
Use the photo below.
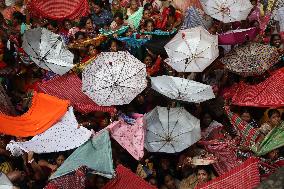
{"type": "Point", "coordinates": [45, 111]}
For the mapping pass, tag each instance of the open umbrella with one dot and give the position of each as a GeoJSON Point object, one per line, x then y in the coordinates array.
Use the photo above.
{"type": "Point", "coordinates": [5, 183]}
{"type": "Point", "coordinates": [251, 59]}
{"type": "Point", "coordinates": [192, 50]}
{"type": "Point", "coordinates": [237, 36]}
{"type": "Point", "coordinates": [182, 89]}
{"type": "Point", "coordinates": [48, 50]}
{"type": "Point", "coordinates": [170, 130]}
{"type": "Point", "coordinates": [115, 78]}
{"type": "Point", "coordinates": [227, 10]}
{"type": "Point", "coordinates": [196, 17]}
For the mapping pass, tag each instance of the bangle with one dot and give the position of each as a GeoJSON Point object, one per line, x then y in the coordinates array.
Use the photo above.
{"type": "Point", "coordinates": [31, 161]}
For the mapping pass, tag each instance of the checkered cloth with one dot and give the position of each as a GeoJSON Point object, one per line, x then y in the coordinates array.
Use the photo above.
{"type": "Point", "coordinates": [59, 9]}
{"type": "Point", "coordinates": [245, 176]}
{"type": "Point", "coordinates": [69, 87]}
{"type": "Point", "coordinates": [75, 180]}
{"type": "Point", "coordinates": [125, 179]}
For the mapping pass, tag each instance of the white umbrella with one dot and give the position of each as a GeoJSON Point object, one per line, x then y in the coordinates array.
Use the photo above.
{"type": "Point", "coordinates": [227, 10]}
{"type": "Point", "coordinates": [170, 130]}
{"type": "Point", "coordinates": [9, 2]}
{"type": "Point", "coordinates": [192, 50]}
{"type": "Point", "coordinates": [48, 50]}
{"type": "Point", "coordinates": [5, 183]}
{"type": "Point", "coordinates": [182, 89]}
{"type": "Point", "coordinates": [115, 78]}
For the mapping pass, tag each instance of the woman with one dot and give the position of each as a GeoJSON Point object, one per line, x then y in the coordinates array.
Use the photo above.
{"type": "Point", "coordinates": [274, 120]}
{"type": "Point", "coordinates": [152, 69]}
{"type": "Point", "coordinates": [86, 26]}
{"type": "Point", "coordinates": [170, 182]}
{"type": "Point", "coordinates": [202, 175]}
{"type": "Point", "coordinates": [133, 8]}
{"type": "Point", "coordinates": [171, 19]}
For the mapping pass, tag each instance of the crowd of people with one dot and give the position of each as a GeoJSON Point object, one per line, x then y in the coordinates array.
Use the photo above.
{"type": "Point", "coordinates": [109, 27]}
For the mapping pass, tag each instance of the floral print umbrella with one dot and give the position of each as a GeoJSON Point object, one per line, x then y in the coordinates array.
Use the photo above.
{"type": "Point", "coordinates": [251, 59]}
{"type": "Point", "coordinates": [114, 78]}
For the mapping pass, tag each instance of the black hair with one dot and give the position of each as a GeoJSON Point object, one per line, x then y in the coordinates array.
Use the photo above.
{"type": "Point", "coordinates": [19, 16]}
{"type": "Point", "coordinates": [272, 111]}
{"type": "Point", "coordinates": [172, 10]}
{"type": "Point", "coordinates": [98, 2]}
{"type": "Point", "coordinates": [244, 110]}
{"type": "Point", "coordinates": [147, 5]}
{"type": "Point", "coordinates": [53, 23]}
{"type": "Point", "coordinates": [118, 15]}
{"type": "Point", "coordinates": [83, 21]}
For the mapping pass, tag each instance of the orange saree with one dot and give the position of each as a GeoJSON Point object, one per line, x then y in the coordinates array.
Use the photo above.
{"type": "Point", "coordinates": [45, 111]}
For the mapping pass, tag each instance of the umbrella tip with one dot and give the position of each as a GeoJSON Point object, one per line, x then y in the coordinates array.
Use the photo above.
{"type": "Point", "coordinates": [183, 35]}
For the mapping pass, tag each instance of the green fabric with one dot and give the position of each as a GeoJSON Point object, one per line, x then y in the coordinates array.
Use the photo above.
{"type": "Point", "coordinates": [96, 154]}
{"type": "Point", "coordinates": [119, 32]}
{"type": "Point", "coordinates": [134, 19]}
{"type": "Point", "coordinates": [273, 140]}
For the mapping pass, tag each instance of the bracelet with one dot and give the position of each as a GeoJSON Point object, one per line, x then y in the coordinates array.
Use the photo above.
{"type": "Point", "coordinates": [31, 161]}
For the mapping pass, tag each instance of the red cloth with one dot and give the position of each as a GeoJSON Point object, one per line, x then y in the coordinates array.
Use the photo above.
{"type": "Point", "coordinates": [225, 151]}
{"type": "Point", "coordinates": [269, 93]}
{"type": "Point", "coordinates": [126, 179]}
{"type": "Point", "coordinates": [70, 87]}
{"type": "Point", "coordinates": [244, 176]}
{"type": "Point", "coordinates": [75, 180]}
{"type": "Point", "coordinates": [59, 9]}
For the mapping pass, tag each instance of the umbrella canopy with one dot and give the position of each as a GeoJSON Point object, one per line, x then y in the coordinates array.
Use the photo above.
{"type": "Point", "coordinates": [170, 130]}
{"type": "Point", "coordinates": [182, 89]}
{"type": "Point", "coordinates": [130, 137]}
{"type": "Point", "coordinates": [269, 93]}
{"type": "Point", "coordinates": [251, 59]}
{"type": "Point", "coordinates": [237, 36]}
{"type": "Point", "coordinates": [227, 10]}
{"type": "Point", "coordinates": [115, 78]}
{"type": "Point", "coordinates": [48, 50]}
{"type": "Point", "coordinates": [196, 17]}
{"type": "Point", "coordinates": [5, 183]}
{"type": "Point", "coordinates": [95, 154]}
{"type": "Point", "coordinates": [192, 50]}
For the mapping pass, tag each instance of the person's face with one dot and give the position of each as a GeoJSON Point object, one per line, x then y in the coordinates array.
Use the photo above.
{"type": "Point", "coordinates": [60, 160]}
{"type": "Point", "coordinates": [133, 5]}
{"type": "Point", "coordinates": [148, 61]}
{"type": "Point", "coordinates": [92, 51]}
{"type": "Point", "coordinates": [89, 24]}
{"type": "Point", "coordinates": [115, 5]}
{"type": "Point", "coordinates": [113, 47]}
{"type": "Point", "coordinates": [146, 14]}
{"type": "Point", "coordinates": [99, 183]}
{"type": "Point", "coordinates": [202, 176]}
{"type": "Point", "coordinates": [67, 25]}
{"type": "Point", "coordinates": [246, 117]}
{"type": "Point", "coordinates": [51, 28]}
{"type": "Point", "coordinates": [273, 155]}
{"type": "Point", "coordinates": [276, 41]}
{"type": "Point", "coordinates": [275, 119]}
{"type": "Point", "coordinates": [165, 164]}
{"type": "Point", "coordinates": [206, 120]}
{"type": "Point", "coordinates": [104, 122]}
{"type": "Point", "coordinates": [2, 4]}
{"type": "Point", "coordinates": [150, 27]}
{"type": "Point", "coordinates": [97, 9]}
{"type": "Point", "coordinates": [118, 21]}
{"type": "Point", "coordinates": [169, 182]}
{"type": "Point", "coordinates": [153, 182]}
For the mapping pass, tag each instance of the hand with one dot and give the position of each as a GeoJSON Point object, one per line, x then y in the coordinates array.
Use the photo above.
{"type": "Point", "coordinates": [30, 156]}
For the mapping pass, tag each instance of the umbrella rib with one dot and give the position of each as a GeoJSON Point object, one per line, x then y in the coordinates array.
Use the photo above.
{"type": "Point", "coordinates": [162, 146]}
{"type": "Point", "coordinates": [131, 76]}
{"type": "Point", "coordinates": [179, 114]}
{"type": "Point", "coordinates": [180, 134]}
{"type": "Point", "coordinates": [157, 134]}
{"type": "Point", "coordinates": [173, 147]}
